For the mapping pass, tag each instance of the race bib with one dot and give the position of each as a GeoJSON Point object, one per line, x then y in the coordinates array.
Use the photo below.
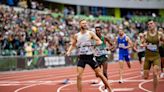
{"type": "Point", "coordinates": [140, 49]}
{"type": "Point", "coordinates": [83, 50]}
{"type": "Point", "coordinates": [152, 47]}
{"type": "Point", "coordinates": [121, 45]}
{"type": "Point", "coordinates": [101, 52]}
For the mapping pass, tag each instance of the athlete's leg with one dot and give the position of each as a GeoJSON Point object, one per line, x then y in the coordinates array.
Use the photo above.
{"type": "Point", "coordinates": [141, 56]}
{"type": "Point", "coordinates": [127, 59]}
{"type": "Point", "coordinates": [147, 66]}
{"type": "Point", "coordinates": [121, 66]}
{"type": "Point", "coordinates": [79, 78]}
{"type": "Point", "coordinates": [162, 67]}
{"type": "Point", "coordinates": [162, 64]}
{"type": "Point", "coordinates": [121, 70]}
{"type": "Point", "coordinates": [142, 62]}
{"type": "Point", "coordinates": [105, 68]}
{"type": "Point", "coordinates": [156, 73]}
{"type": "Point", "coordinates": [103, 78]}
{"type": "Point", "coordinates": [80, 68]}
{"type": "Point", "coordinates": [155, 77]}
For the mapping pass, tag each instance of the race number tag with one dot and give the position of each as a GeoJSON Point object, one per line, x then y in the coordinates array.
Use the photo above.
{"type": "Point", "coordinates": [121, 45]}
{"type": "Point", "coordinates": [83, 50]}
{"type": "Point", "coordinates": [100, 52]}
{"type": "Point", "coordinates": [140, 49]}
{"type": "Point", "coordinates": [152, 47]}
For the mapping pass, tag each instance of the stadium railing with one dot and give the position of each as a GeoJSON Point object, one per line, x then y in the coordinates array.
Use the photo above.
{"type": "Point", "coordinates": [8, 63]}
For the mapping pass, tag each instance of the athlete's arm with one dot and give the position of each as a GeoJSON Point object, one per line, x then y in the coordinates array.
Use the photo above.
{"type": "Point", "coordinates": [72, 44]}
{"type": "Point", "coordinates": [95, 37]}
{"type": "Point", "coordinates": [135, 46]}
{"type": "Point", "coordinates": [109, 43]}
{"type": "Point", "coordinates": [130, 44]}
{"type": "Point", "coordinates": [161, 37]}
{"type": "Point", "coordinates": [144, 41]}
{"type": "Point", "coordinates": [115, 44]}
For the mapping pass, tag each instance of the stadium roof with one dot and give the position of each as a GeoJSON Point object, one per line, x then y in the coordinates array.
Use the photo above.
{"type": "Point", "coordinates": [145, 4]}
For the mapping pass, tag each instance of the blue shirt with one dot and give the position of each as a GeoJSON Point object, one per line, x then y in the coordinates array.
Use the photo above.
{"type": "Point", "coordinates": [122, 43]}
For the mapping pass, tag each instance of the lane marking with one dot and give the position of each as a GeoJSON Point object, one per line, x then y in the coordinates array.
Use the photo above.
{"type": "Point", "coordinates": [142, 88]}
{"type": "Point", "coordinates": [123, 89]}
{"type": "Point", "coordinates": [70, 75]}
{"type": "Point", "coordinates": [100, 87]}
{"type": "Point", "coordinates": [22, 88]}
{"type": "Point", "coordinates": [58, 90]}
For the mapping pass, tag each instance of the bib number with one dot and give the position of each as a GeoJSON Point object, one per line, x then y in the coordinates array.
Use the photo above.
{"type": "Point", "coordinates": [152, 47]}
{"type": "Point", "coordinates": [83, 50]}
{"type": "Point", "coordinates": [121, 46]}
{"type": "Point", "coordinates": [101, 52]}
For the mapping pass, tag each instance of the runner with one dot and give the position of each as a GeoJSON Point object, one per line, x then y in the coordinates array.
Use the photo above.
{"type": "Point", "coordinates": [83, 40]}
{"type": "Point", "coordinates": [123, 42]}
{"type": "Point", "coordinates": [101, 52]}
{"type": "Point", "coordinates": [161, 52]}
{"type": "Point", "coordinates": [140, 49]}
{"type": "Point", "coordinates": [152, 56]}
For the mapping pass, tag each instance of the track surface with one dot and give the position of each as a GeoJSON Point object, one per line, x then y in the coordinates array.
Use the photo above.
{"type": "Point", "coordinates": [50, 80]}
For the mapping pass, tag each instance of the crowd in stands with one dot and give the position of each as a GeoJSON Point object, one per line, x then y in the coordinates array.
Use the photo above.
{"type": "Point", "coordinates": [29, 33]}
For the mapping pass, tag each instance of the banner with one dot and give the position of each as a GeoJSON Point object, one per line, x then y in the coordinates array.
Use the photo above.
{"type": "Point", "coordinates": [54, 61]}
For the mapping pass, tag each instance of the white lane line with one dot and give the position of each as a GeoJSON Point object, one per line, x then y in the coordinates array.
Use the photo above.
{"type": "Point", "coordinates": [92, 79]}
{"type": "Point", "coordinates": [68, 76]}
{"type": "Point", "coordinates": [123, 89]}
{"type": "Point", "coordinates": [22, 88]}
{"type": "Point", "coordinates": [146, 81]}
{"type": "Point", "coordinates": [43, 80]}
{"type": "Point", "coordinates": [100, 88]}
{"type": "Point", "coordinates": [71, 83]}
{"type": "Point", "coordinates": [33, 75]}
{"type": "Point", "coordinates": [125, 80]}
{"type": "Point", "coordinates": [19, 89]}
{"type": "Point", "coordinates": [142, 88]}
{"type": "Point", "coordinates": [27, 76]}
{"type": "Point", "coordinates": [58, 90]}
{"type": "Point", "coordinates": [88, 75]}
{"type": "Point", "coordinates": [44, 76]}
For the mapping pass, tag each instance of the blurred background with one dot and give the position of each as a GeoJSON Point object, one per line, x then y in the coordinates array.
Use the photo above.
{"type": "Point", "coordinates": [36, 33]}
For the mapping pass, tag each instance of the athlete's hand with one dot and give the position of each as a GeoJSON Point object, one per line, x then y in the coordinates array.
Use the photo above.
{"type": "Point", "coordinates": [68, 53]}
{"type": "Point", "coordinates": [143, 45]}
{"type": "Point", "coordinates": [124, 47]}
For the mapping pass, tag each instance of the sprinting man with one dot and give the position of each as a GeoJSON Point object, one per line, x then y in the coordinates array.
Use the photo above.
{"type": "Point", "coordinates": [140, 49]}
{"type": "Point", "coordinates": [152, 57]}
{"type": "Point", "coordinates": [83, 41]}
{"type": "Point", "coordinates": [161, 52]}
{"type": "Point", "coordinates": [123, 42]}
{"type": "Point", "coordinates": [101, 52]}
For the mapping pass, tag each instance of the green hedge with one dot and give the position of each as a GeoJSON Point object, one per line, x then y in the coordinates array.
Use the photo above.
{"type": "Point", "coordinates": [141, 19]}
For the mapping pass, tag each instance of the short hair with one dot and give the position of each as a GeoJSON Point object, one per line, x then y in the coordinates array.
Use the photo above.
{"type": "Point", "coordinates": [150, 20]}
{"type": "Point", "coordinates": [81, 20]}
{"type": "Point", "coordinates": [98, 26]}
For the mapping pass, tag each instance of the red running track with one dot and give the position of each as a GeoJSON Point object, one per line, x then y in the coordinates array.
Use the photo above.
{"type": "Point", "coordinates": [49, 80]}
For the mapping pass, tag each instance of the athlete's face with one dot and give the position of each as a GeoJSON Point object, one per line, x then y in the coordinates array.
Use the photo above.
{"type": "Point", "coordinates": [83, 24]}
{"type": "Point", "coordinates": [151, 25]}
{"type": "Point", "coordinates": [121, 32]}
{"type": "Point", "coordinates": [98, 31]}
{"type": "Point", "coordinates": [141, 36]}
{"type": "Point", "coordinates": [161, 30]}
